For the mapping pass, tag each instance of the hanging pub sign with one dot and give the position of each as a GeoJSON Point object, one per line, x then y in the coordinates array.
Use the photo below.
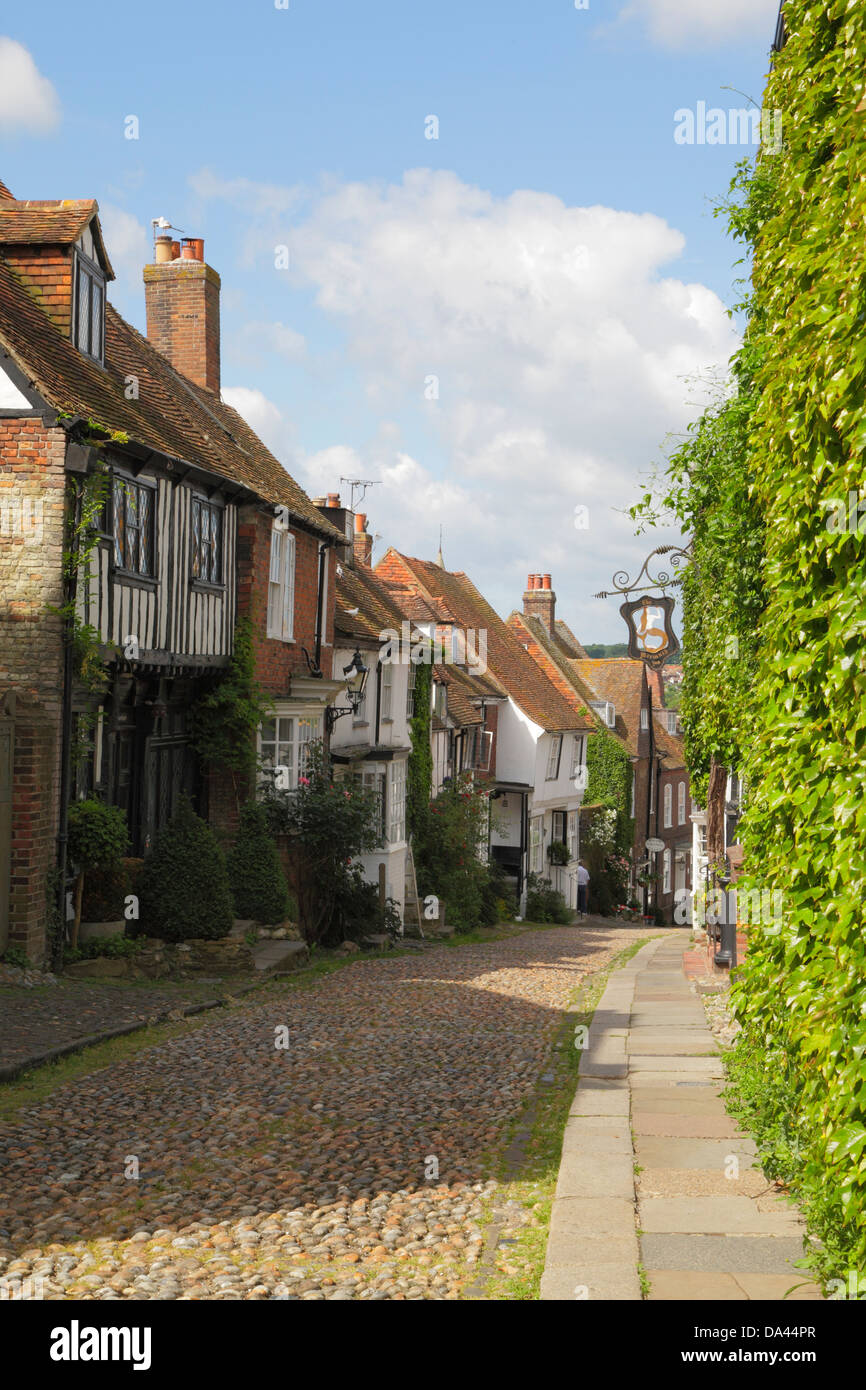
{"type": "Point", "coordinates": [649, 618]}
{"type": "Point", "coordinates": [651, 637]}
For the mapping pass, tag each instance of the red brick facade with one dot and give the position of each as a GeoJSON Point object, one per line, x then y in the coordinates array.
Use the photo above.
{"type": "Point", "coordinates": [183, 318]}
{"type": "Point", "coordinates": [46, 271]}
{"type": "Point", "coordinates": [31, 661]}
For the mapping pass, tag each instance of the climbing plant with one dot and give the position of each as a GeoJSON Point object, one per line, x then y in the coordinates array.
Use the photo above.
{"type": "Point", "coordinates": [224, 721]}
{"type": "Point", "coordinates": [419, 771]}
{"type": "Point", "coordinates": [608, 784]}
{"type": "Point", "coordinates": [769, 485]}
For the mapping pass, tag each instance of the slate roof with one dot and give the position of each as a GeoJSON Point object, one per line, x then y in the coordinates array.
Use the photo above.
{"type": "Point", "coordinates": [172, 415]}
{"type": "Point", "coordinates": [512, 667]}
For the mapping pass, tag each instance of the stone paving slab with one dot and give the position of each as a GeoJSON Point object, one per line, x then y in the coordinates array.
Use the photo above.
{"type": "Point", "coordinates": [692, 1124]}
{"type": "Point", "coordinates": [716, 1216]}
{"type": "Point", "coordinates": [607, 1283]}
{"type": "Point", "coordinates": [713, 1154]}
{"type": "Point", "coordinates": [726, 1254]}
{"type": "Point", "coordinates": [701, 1182]}
{"type": "Point", "coordinates": [678, 1284]}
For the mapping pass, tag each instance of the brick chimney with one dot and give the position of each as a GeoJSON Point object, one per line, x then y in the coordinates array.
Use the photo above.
{"type": "Point", "coordinates": [539, 600]}
{"type": "Point", "coordinates": [363, 541]}
{"type": "Point", "coordinates": [182, 295]}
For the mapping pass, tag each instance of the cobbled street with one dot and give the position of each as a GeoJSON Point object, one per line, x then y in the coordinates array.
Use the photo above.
{"type": "Point", "coordinates": [351, 1163]}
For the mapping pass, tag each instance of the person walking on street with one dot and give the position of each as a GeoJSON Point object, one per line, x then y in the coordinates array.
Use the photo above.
{"type": "Point", "coordinates": [582, 888]}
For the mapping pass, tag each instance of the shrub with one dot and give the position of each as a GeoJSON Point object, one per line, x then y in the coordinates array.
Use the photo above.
{"type": "Point", "coordinates": [113, 946]}
{"type": "Point", "coordinates": [359, 913]}
{"type": "Point", "coordinates": [544, 904]}
{"type": "Point", "coordinates": [327, 824]}
{"type": "Point", "coordinates": [185, 889]}
{"type": "Point", "coordinates": [257, 881]}
{"type": "Point", "coordinates": [450, 833]}
{"type": "Point", "coordinates": [106, 891]}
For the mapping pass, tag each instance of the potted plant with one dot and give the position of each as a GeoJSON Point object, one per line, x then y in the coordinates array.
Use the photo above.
{"type": "Point", "coordinates": [98, 839]}
{"type": "Point", "coordinates": [557, 852]}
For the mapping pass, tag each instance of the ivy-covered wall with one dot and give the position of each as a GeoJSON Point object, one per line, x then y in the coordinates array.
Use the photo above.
{"type": "Point", "coordinates": [419, 772]}
{"type": "Point", "coordinates": [608, 783]}
{"type": "Point", "coordinates": [770, 485]}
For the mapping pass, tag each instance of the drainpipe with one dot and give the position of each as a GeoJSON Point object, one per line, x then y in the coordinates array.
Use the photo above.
{"type": "Point", "coordinates": [66, 737]}
{"type": "Point", "coordinates": [323, 552]}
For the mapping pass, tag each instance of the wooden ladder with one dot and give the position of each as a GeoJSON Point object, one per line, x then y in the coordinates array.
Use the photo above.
{"type": "Point", "coordinates": [410, 861]}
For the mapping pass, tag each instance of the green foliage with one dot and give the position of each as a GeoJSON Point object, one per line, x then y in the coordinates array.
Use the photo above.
{"type": "Point", "coordinates": [326, 825]}
{"type": "Point", "coordinates": [185, 891]}
{"type": "Point", "coordinates": [451, 835]}
{"type": "Point", "coordinates": [609, 776]}
{"type": "Point", "coordinates": [115, 947]}
{"type": "Point", "coordinates": [15, 956]}
{"type": "Point", "coordinates": [85, 502]}
{"type": "Point", "coordinates": [358, 911]}
{"type": "Point", "coordinates": [557, 852]}
{"type": "Point", "coordinates": [419, 770]}
{"type": "Point", "coordinates": [607, 865]}
{"type": "Point", "coordinates": [98, 835]}
{"type": "Point", "coordinates": [106, 890]}
{"type": "Point", "coordinates": [544, 904]}
{"type": "Point", "coordinates": [257, 881]}
{"type": "Point", "coordinates": [225, 721]}
{"type": "Point", "coordinates": [763, 485]}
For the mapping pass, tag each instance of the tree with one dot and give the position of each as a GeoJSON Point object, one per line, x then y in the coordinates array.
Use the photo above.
{"type": "Point", "coordinates": [257, 880]}
{"type": "Point", "coordinates": [98, 839]}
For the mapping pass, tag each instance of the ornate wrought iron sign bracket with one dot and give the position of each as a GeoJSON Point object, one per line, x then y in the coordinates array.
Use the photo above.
{"type": "Point", "coordinates": [651, 637]}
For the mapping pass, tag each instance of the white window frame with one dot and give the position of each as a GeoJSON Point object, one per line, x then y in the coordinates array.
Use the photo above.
{"type": "Point", "coordinates": [668, 804]}
{"type": "Point", "coordinates": [396, 821]}
{"type": "Point", "coordinates": [281, 584]}
{"type": "Point", "coordinates": [644, 718]}
{"type": "Point", "coordinates": [572, 835]}
{"type": "Point", "coordinates": [681, 804]}
{"type": "Point", "coordinates": [666, 871]}
{"type": "Point", "coordinates": [577, 756]}
{"type": "Point", "coordinates": [536, 841]}
{"type": "Point", "coordinates": [386, 691]}
{"type": "Point", "coordinates": [294, 731]}
{"type": "Point", "coordinates": [633, 791]}
{"type": "Point", "coordinates": [554, 757]}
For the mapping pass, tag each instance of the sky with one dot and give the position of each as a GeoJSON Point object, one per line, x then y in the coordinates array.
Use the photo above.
{"type": "Point", "coordinates": [467, 248]}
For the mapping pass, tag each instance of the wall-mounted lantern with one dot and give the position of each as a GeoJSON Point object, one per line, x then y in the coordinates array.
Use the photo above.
{"type": "Point", "coordinates": [356, 674]}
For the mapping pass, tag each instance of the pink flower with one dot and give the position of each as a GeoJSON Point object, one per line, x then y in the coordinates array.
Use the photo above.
{"type": "Point", "coordinates": [303, 781]}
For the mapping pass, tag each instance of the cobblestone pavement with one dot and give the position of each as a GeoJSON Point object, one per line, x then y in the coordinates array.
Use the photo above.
{"type": "Point", "coordinates": [35, 1020]}
{"type": "Point", "coordinates": [348, 1164]}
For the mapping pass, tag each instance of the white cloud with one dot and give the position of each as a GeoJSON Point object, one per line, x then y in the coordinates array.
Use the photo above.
{"type": "Point", "coordinates": [28, 102]}
{"type": "Point", "coordinates": [679, 23]}
{"type": "Point", "coordinates": [266, 419]}
{"type": "Point", "coordinates": [565, 353]}
{"type": "Point", "coordinates": [276, 339]}
{"type": "Point", "coordinates": [127, 243]}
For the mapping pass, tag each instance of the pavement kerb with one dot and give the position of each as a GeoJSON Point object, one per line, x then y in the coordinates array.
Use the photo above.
{"type": "Point", "coordinates": [597, 1163]}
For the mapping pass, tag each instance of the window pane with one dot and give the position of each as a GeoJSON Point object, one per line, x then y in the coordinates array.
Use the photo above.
{"type": "Point", "coordinates": [96, 320]}
{"type": "Point", "coordinates": [119, 524]}
{"type": "Point", "coordinates": [196, 539]}
{"type": "Point", "coordinates": [216, 528]}
{"type": "Point", "coordinates": [145, 543]}
{"type": "Point", "coordinates": [83, 309]}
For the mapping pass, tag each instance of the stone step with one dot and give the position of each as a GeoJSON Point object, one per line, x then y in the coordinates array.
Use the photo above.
{"type": "Point", "coordinates": [272, 956]}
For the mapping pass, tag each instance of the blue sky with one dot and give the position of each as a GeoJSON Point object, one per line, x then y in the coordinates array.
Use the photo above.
{"type": "Point", "coordinates": [551, 260]}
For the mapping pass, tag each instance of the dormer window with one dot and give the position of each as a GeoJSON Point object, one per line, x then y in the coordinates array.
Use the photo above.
{"type": "Point", "coordinates": [89, 318]}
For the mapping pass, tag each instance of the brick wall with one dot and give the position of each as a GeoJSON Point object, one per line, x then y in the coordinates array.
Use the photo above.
{"type": "Point", "coordinates": [183, 318]}
{"type": "Point", "coordinates": [276, 661]}
{"type": "Point", "coordinates": [47, 273]}
{"type": "Point", "coordinates": [32, 486]}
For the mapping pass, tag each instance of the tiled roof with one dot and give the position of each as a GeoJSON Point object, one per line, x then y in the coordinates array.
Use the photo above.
{"type": "Point", "coordinates": [512, 667]}
{"type": "Point", "coordinates": [4, 192]}
{"type": "Point", "coordinates": [550, 654]}
{"type": "Point", "coordinates": [359, 589]}
{"type": "Point", "coordinates": [670, 745]}
{"type": "Point", "coordinates": [568, 641]}
{"type": "Point", "coordinates": [172, 414]}
{"type": "Point", "coordinates": [49, 221]}
{"type": "Point", "coordinates": [620, 681]}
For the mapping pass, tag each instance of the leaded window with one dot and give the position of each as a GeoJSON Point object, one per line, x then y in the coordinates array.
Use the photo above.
{"type": "Point", "coordinates": [207, 525]}
{"type": "Point", "coordinates": [133, 527]}
{"type": "Point", "coordinates": [89, 318]}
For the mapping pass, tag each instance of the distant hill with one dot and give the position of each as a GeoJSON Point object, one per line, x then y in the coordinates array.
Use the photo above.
{"type": "Point", "coordinates": [600, 650]}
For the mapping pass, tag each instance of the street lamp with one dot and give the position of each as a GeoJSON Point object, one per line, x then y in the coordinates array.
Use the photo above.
{"type": "Point", "coordinates": [356, 674]}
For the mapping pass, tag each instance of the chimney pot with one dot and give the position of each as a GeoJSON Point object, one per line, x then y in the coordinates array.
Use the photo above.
{"type": "Point", "coordinates": [163, 249]}
{"type": "Point", "coordinates": [545, 583]}
{"type": "Point", "coordinates": [333, 499]}
{"type": "Point", "coordinates": [539, 601]}
{"type": "Point", "coordinates": [360, 522]}
{"type": "Point", "coordinates": [175, 250]}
